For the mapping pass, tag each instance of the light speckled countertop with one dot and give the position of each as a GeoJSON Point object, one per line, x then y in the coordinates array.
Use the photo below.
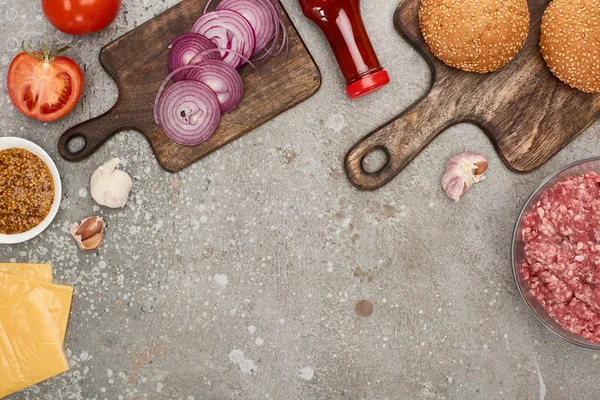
{"type": "Point", "coordinates": [238, 278]}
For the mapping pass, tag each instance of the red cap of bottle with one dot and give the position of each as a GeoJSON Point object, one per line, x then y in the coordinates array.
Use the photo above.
{"type": "Point", "coordinates": [367, 84]}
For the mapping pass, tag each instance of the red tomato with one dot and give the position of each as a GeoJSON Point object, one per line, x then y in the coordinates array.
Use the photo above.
{"type": "Point", "coordinates": [78, 17]}
{"type": "Point", "coordinates": [44, 88]}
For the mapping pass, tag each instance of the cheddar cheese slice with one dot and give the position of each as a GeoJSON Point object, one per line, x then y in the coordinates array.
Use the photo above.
{"type": "Point", "coordinates": [30, 348]}
{"type": "Point", "coordinates": [36, 271]}
{"type": "Point", "coordinates": [56, 297]}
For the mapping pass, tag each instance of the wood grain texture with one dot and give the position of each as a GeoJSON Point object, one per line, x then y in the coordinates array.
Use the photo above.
{"type": "Point", "coordinates": [138, 63]}
{"type": "Point", "coordinates": [528, 114]}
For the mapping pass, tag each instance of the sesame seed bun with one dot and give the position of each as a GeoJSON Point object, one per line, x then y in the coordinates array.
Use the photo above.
{"type": "Point", "coordinates": [475, 35]}
{"type": "Point", "coordinates": [570, 42]}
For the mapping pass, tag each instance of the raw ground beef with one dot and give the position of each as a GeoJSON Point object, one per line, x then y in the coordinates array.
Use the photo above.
{"type": "Point", "coordinates": [562, 252]}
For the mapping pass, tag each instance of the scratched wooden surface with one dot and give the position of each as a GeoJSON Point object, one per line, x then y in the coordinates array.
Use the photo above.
{"type": "Point", "coordinates": [138, 63]}
{"type": "Point", "coordinates": [528, 114]}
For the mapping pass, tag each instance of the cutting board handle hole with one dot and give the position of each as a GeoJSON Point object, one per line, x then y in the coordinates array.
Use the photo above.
{"type": "Point", "coordinates": [76, 143]}
{"type": "Point", "coordinates": [375, 160]}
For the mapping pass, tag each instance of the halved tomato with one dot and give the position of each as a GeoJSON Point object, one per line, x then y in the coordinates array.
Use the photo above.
{"type": "Point", "coordinates": [44, 86]}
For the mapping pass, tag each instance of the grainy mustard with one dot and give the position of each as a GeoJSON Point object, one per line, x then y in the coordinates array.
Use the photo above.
{"type": "Point", "coordinates": [26, 191]}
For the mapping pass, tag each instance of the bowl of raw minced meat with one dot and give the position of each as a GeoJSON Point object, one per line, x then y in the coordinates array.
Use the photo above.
{"type": "Point", "coordinates": [556, 253]}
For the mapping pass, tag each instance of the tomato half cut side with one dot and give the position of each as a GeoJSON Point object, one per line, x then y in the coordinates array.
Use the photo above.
{"type": "Point", "coordinates": [46, 90]}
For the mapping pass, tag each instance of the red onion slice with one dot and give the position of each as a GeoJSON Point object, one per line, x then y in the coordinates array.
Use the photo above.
{"type": "Point", "coordinates": [280, 25]}
{"type": "Point", "coordinates": [260, 15]}
{"type": "Point", "coordinates": [228, 30]}
{"type": "Point", "coordinates": [184, 48]}
{"type": "Point", "coordinates": [207, 6]}
{"type": "Point", "coordinates": [188, 112]}
{"type": "Point", "coordinates": [223, 79]}
{"type": "Point", "coordinates": [200, 56]}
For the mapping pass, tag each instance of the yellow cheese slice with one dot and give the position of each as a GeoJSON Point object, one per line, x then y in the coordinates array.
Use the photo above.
{"type": "Point", "coordinates": [30, 349]}
{"type": "Point", "coordinates": [36, 271]}
{"type": "Point", "coordinates": [56, 297]}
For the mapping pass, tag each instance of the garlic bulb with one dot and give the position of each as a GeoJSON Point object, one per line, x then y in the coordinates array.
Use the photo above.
{"type": "Point", "coordinates": [109, 186]}
{"type": "Point", "coordinates": [462, 172]}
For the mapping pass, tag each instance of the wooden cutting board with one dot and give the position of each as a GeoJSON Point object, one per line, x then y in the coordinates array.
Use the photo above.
{"type": "Point", "coordinates": [137, 62]}
{"type": "Point", "coordinates": [528, 114]}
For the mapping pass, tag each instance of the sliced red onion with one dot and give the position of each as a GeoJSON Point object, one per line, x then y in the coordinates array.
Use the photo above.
{"type": "Point", "coordinates": [223, 79]}
{"type": "Point", "coordinates": [200, 56]}
{"type": "Point", "coordinates": [207, 6]}
{"type": "Point", "coordinates": [260, 15]}
{"type": "Point", "coordinates": [188, 112]}
{"type": "Point", "coordinates": [280, 25]}
{"type": "Point", "coordinates": [185, 48]}
{"type": "Point", "coordinates": [228, 30]}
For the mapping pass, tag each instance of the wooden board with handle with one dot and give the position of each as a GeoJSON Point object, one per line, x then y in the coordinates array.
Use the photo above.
{"type": "Point", "coordinates": [528, 114]}
{"type": "Point", "coordinates": [138, 63]}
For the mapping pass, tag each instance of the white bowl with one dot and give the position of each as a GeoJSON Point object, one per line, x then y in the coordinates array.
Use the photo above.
{"type": "Point", "coordinates": [13, 142]}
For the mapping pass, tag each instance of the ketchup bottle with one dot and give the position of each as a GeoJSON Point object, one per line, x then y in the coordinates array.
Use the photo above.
{"type": "Point", "coordinates": [342, 24]}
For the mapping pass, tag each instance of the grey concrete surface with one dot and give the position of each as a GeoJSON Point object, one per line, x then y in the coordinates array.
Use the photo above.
{"type": "Point", "coordinates": [238, 278]}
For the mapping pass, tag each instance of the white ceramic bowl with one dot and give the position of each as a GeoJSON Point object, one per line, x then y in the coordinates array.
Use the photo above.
{"type": "Point", "coordinates": [13, 142]}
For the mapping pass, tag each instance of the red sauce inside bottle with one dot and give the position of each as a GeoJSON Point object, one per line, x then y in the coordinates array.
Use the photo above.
{"type": "Point", "coordinates": [342, 24]}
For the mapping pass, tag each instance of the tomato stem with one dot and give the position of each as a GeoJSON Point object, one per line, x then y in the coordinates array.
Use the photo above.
{"type": "Point", "coordinates": [45, 54]}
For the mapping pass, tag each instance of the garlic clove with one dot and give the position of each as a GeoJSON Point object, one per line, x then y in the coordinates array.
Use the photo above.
{"type": "Point", "coordinates": [462, 172]}
{"type": "Point", "coordinates": [89, 233]}
{"type": "Point", "coordinates": [92, 243]}
{"type": "Point", "coordinates": [482, 166]}
{"type": "Point", "coordinates": [89, 227]}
